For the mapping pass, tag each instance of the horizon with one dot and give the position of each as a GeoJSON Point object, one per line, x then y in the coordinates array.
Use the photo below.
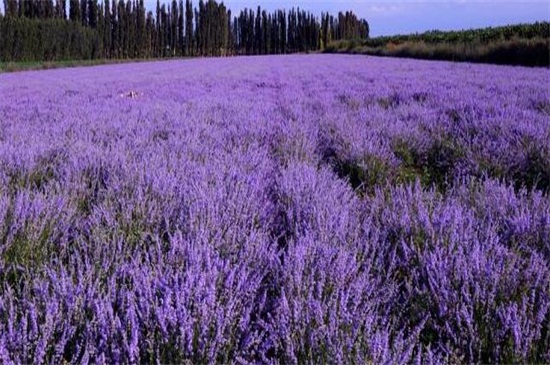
{"type": "Point", "coordinates": [388, 18]}
{"type": "Point", "coordinates": [412, 16]}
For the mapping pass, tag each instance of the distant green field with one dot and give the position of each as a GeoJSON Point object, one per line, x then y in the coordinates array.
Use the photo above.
{"type": "Point", "coordinates": [522, 44]}
{"type": "Point", "coordinates": [35, 65]}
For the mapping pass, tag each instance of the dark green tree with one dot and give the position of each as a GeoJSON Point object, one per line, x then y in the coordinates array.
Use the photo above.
{"type": "Point", "coordinates": [181, 29]}
{"type": "Point", "coordinates": [188, 28]}
{"type": "Point", "coordinates": [40, 30]}
{"type": "Point", "coordinates": [84, 12]}
{"type": "Point", "coordinates": [115, 31]}
{"type": "Point", "coordinates": [107, 30]}
{"type": "Point", "coordinates": [93, 13]}
{"type": "Point", "coordinates": [74, 11]}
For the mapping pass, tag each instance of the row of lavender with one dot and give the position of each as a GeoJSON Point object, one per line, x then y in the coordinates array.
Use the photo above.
{"type": "Point", "coordinates": [300, 209]}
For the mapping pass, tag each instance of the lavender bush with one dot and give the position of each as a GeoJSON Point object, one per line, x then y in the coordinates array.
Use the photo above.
{"type": "Point", "coordinates": [292, 209]}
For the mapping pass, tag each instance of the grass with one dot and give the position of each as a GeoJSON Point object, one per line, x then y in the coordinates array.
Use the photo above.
{"type": "Point", "coordinates": [46, 65]}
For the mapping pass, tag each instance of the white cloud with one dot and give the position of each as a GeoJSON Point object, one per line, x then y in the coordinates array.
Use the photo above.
{"type": "Point", "coordinates": [384, 8]}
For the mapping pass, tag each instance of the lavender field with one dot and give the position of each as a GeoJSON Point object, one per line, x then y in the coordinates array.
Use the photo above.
{"type": "Point", "coordinates": [289, 209]}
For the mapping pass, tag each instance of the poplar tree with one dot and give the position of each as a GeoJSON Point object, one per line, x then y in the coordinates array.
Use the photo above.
{"type": "Point", "coordinates": [93, 13]}
{"type": "Point", "coordinates": [107, 31]}
{"type": "Point", "coordinates": [34, 30]}
{"type": "Point", "coordinates": [115, 31]}
{"type": "Point", "coordinates": [74, 11]}
{"type": "Point", "coordinates": [181, 30]}
{"type": "Point", "coordinates": [84, 12]}
{"type": "Point", "coordinates": [174, 27]}
{"type": "Point", "coordinates": [188, 28]}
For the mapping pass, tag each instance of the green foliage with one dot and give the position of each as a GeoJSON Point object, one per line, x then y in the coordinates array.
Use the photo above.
{"type": "Point", "coordinates": [27, 252]}
{"type": "Point", "coordinates": [364, 174]}
{"type": "Point", "coordinates": [28, 40]}
{"type": "Point", "coordinates": [433, 167]}
{"type": "Point", "coordinates": [480, 35]}
{"type": "Point", "coordinates": [524, 44]}
{"type": "Point", "coordinates": [535, 170]}
{"type": "Point", "coordinates": [46, 65]}
{"type": "Point", "coordinates": [29, 241]}
{"type": "Point", "coordinates": [32, 32]}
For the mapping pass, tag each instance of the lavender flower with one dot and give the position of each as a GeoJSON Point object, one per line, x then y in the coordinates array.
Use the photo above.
{"type": "Point", "coordinates": [291, 209]}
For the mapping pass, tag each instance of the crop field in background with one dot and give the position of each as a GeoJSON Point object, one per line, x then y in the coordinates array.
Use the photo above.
{"type": "Point", "coordinates": [279, 209]}
{"type": "Point", "coordinates": [519, 44]}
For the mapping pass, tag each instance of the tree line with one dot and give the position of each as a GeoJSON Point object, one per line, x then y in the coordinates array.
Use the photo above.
{"type": "Point", "coordinates": [486, 35]}
{"type": "Point", "coordinates": [518, 44]}
{"type": "Point", "coordinates": [48, 30]}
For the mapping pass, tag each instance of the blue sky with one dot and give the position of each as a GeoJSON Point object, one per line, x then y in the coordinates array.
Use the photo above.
{"type": "Point", "coordinates": [406, 16]}
{"type": "Point", "coordinates": [388, 17]}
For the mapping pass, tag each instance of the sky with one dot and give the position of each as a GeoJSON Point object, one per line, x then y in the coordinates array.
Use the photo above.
{"type": "Point", "coordinates": [387, 17]}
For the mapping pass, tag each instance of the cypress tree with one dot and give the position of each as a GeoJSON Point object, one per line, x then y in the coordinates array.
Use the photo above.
{"type": "Point", "coordinates": [107, 32]}
{"type": "Point", "coordinates": [60, 9]}
{"type": "Point", "coordinates": [200, 19]}
{"type": "Point", "coordinates": [93, 13]}
{"type": "Point", "coordinates": [11, 8]}
{"type": "Point", "coordinates": [265, 33]}
{"type": "Point", "coordinates": [74, 10]}
{"type": "Point", "coordinates": [229, 33]}
{"type": "Point", "coordinates": [151, 36]}
{"type": "Point", "coordinates": [128, 30]}
{"type": "Point", "coordinates": [224, 29]}
{"type": "Point", "coordinates": [47, 9]}
{"type": "Point", "coordinates": [115, 44]}
{"type": "Point", "coordinates": [141, 29]}
{"type": "Point", "coordinates": [84, 12]}
{"type": "Point", "coordinates": [188, 27]}
{"type": "Point", "coordinates": [174, 27]}
{"type": "Point", "coordinates": [123, 28]}
{"type": "Point", "coordinates": [250, 32]}
{"type": "Point", "coordinates": [274, 33]}
{"type": "Point", "coordinates": [131, 41]}
{"type": "Point", "coordinates": [101, 30]}
{"type": "Point", "coordinates": [258, 32]}
{"type": "Point", "coordinates": [165, 26]}
{"type": "Point", "coordinates": [196, 33]}
{"type": "Point", "coordinates": [159, 33]}
{"type": "Point", "coordinates": [181, 30]}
